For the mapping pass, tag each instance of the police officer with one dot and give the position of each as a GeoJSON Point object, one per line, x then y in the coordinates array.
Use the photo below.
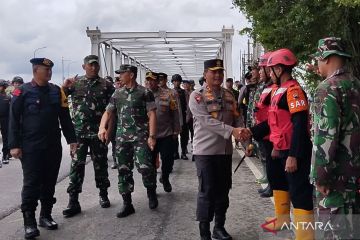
{"type": "Point", "coordinates": [336, 151]}
{"type": "Point", "coordinates": [135, 137]}
{"type": "Point", "coordinates": [215, 118]}
{"type": "Point", "coordinates": [4, 121]}
{"type": "Point", "coordinates": [187, 85]}
{"type": "Point", "coordinates": [89, 95]}
{"type": "Point", "coordinates": [288, 126]}
{"type": "Point", "coordinates": [36, 109]}
{"type": "Point", "coordinates": [176, 80]}
{"type": "Point", "coordinates": [168, 126]}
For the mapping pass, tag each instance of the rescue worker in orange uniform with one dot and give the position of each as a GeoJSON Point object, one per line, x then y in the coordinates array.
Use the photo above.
{"type": "Point", "coordinates": [288, 126]}
{"type": "Point", "coordinates": [262, 103]}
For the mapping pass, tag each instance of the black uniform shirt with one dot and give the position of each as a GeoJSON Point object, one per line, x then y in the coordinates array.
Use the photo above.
{"type": "Point", "coordinates": [4, 105]}
{"type": "Point", "coordinates": [35, 112]}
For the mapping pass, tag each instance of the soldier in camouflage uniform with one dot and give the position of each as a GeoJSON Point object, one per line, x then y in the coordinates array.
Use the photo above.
{"type": "Point", "coordinates": [168, 127]}
{"type": "Point", "coordinates": [135, 137]}
{"type": "Point", "coordinates": [336, 151]}
{"type": "Point", "coordinates": [90, 95]}
{"type": "Point", "coordinates": [254, 92]}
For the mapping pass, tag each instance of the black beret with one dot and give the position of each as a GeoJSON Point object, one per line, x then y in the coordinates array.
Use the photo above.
{"type": "Point", "coordinates": [214, 64]}
{"type": "Point", "coordinates": [229, 80]}
{"type": "Point", "coordinates": [42, 61]}
{"type": "Point", "coordinates": [126, 68]}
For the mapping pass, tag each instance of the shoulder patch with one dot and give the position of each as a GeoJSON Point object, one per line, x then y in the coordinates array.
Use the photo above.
{"type": "Point", "coordinates": [297, 100]}
{"type": "Point", "coordinates": [16, 92]}
{"type": "Point", "coordinates": [197, 97]}
{"type": "Point", "coordinates": [64, 100]}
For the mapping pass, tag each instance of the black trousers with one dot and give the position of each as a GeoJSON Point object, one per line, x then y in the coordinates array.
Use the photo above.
{"type": "Point", "coordinates": [40, 172]}
{"type": "Point", "coordinates": [4, 124]}
{"type": "Point", "coordinates": [297, 183]}
{"type": "Point", "coordinates": [191, 129]}
{"type": "Point", "coordinates": [164, 146]}
{"type": "Point", "coordinates": [214, 174]}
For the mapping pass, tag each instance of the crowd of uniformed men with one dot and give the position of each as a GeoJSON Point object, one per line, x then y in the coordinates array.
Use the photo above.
{"type": "Point", "coordinates": [143, 123]}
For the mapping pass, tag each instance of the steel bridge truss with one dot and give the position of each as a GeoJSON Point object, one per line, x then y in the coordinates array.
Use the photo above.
{"type": "Point", "coordinates": [169, 52]}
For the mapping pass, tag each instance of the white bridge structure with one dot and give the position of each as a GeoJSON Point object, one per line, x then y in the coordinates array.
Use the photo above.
{"type": "Point", "coordinates": [170, 52]}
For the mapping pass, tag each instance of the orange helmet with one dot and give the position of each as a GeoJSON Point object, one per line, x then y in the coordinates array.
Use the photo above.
{"type": "Point", "coordinates": [282, 56]}
{"type": "Point", "coordinates": [264, 59]}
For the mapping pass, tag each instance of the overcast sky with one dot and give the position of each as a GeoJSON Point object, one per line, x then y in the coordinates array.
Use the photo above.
{"type": "Point", "coordinates": [61, 26]}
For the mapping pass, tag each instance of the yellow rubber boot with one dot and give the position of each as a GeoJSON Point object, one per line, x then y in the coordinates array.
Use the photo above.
{"type": "Point", "coordinates": [304, 230]}
{"type": "Point", "coordinates": [282, 210]}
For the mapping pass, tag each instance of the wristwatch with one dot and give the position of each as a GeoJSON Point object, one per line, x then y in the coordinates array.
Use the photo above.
{"type": "Point", "coordinates": [152, 136]}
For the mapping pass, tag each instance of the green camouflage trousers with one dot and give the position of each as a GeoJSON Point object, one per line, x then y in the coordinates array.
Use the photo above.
{"type": "Point", "coordinates": [98, 151]}
{"type": "Point", "coordinates": [340, 215]}
{"type": "Point", "coordinates": [139, 153]}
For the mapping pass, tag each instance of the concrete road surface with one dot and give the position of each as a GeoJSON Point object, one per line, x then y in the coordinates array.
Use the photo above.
{"type": "Point", "coordinates": [174, 219]}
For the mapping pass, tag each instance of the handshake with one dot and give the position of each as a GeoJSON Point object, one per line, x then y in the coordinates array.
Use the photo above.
{"type": "Point", "coordinates": [242, 134]}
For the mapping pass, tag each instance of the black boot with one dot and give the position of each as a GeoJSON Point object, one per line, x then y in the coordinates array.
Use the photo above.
{"type": "Point", "coordinates": [45, 219]}
{"type": "Point", "coordinates": [153, 201]}
{"type": "Point", "coordinates": [73, 207]}
{"type": "Point", "coordinates": [103, 199]}
{"type": "Point", "coordinates": [267, 193]}
{"type": "Point", "coordinates": [166, 183]}
{"type": "Point", "coordinates": [5, 159]}
{"type": "Point", "coordinates": [261, 190]}
{"type": "Point", "coordinates": [115, 165]}
{"type": "Point", "coordinates": [219, 231]}
{"type": "Point", "coordinates": [184, 157]}
{"type": "Point", "coordinates": [204, 228]}
{"type": "Point", "coordinates": [31, 230]}
{"type": "Point", "coordinates": [127, 208]}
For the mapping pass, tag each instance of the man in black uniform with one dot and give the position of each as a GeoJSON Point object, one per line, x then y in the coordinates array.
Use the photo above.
{"type": "Point", "coordinates": [176, 79]}
{"type": "Point", "coordinates": [4, 121]}
{"type": "Point", "coordinates": [36, 109]}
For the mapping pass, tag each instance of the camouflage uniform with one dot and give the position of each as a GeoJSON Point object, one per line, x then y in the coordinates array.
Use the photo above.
{"type": "Point", "coordinates": [89, 97]}
{"type": "Point", "coordinates": [132, 106]}
{"type": "Point", "coordinates": [250, 119]}
{"type": "Point", "coordinates": [336, 152]}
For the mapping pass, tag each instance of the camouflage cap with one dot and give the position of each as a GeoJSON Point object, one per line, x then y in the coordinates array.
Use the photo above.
{"type": "Point", "coordinates": [3, 83]}
{"type": "Point", "coordinates": [91, 59]}
{"type": "Point", "coordinates": [126, 68]}
{"type": "Point", "coordinates": [329, 46]}
{"type": "Point", "coordinates": [151, 75]}
{"type": "Point", "coordinates": [42, 61]}
{"type": "Point", "coordinates": [18, 80]}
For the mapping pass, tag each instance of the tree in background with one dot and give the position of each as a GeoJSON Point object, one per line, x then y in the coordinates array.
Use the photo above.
{"type": "Point", "coordinates": [299, 24]}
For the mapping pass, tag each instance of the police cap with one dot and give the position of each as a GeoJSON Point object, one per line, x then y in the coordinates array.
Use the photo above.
{"type": "Point", "coordinates": [151, 75]}
{"type": "Point", "coordinates": [42, 61]}
{"type": "Point", "coordinates": [214, 64]}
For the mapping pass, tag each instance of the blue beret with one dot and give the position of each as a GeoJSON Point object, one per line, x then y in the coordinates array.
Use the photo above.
{"type": "Point", "coordinates": [42, 61]}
